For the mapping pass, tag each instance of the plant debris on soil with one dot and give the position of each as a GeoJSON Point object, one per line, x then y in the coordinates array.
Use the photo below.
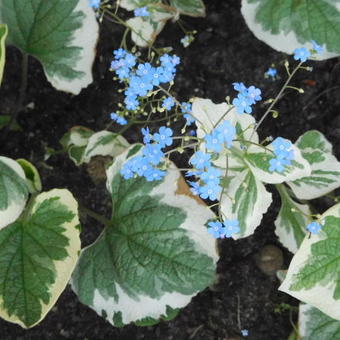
{"type": "Point", "coordinates": [245, 295]}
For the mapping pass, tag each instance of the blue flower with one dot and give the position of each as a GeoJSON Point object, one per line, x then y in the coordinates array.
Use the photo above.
{"type": "Point", "coordinates": [231, 227]}
{"type": "Point", "coordinates": [130, 60]}
{"type": "Point", "coordinates": [200, 160]}
{"type": "Point", "coordinates": [317, 48]}
{"type": "Point", "coordinates": [94, 3]}
{"type": "Point", "coordinates": [242, 104]}
{"type": "Point", "coordinates": [212, 175]}
{"type": "Point", "coordinates": [314, 227]}
{"type": "Point", "coordinates": [146, 135]}
{"type": "Point", "coordinates": [131, 102]}
{"type": "Point", "coordinates": [254, 94]}
{"type": "Point", "coordinates": [282, 147]}
{"type": "Point", "coordinates": [216, 229]}
{"type": "Point", "coordinates": [271, 72]}
{"type": "Point", "coordinates": [189, 118]}
{"type": "Point", "coordinates": [154, 175]}
{"type": "Point", "coordinates": [301, 54]}
{"type": "Point", "coordinates": [123, 73]}
{"type": "Point", "coordinates": [144, 69]}
{"type": "Point", "coordinates": [211, 190]}
{"type": "Point", "coordinates": [227, 132]}
{"type": "Point", "coordinates": [119, 53]}
{"type": "Point", "coordinates": [213, 142]}
{"type": "Point", "coordinates": [153, 153]}
{"type": "Point", "coordinates": [163, 137]}
{"type": "Point", "coordinates": [141, 12]}
{"type": "Point", "coordinates": [168, 103]}
{"type": "Point", "coordinates": [126, 171]}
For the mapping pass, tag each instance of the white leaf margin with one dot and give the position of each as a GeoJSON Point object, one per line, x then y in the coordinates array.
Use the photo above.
{"type": "Point", "coordinates": [64, 268]}
{"type": "Point", "coordinates": [86, 37]}
{"type": "Point", "coordinates": [319, 296]}
{"type": "Point", "coordinates": [135, 310]}
{"type": "Point", "coordinates": [282, 42]}
{"type": "Point", "coordinates": [15, 209]}
{"type": "Point", "coordinates": [262, 203]}
{"type": "Point", "coordinates": [95, 147]}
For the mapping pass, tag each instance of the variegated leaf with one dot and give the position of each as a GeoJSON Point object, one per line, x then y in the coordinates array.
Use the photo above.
{"type": "Point", "coordinates": [152, 257]}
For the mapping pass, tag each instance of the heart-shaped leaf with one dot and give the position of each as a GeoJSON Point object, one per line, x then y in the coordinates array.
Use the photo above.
{"type": "Point", "coordinates": [155, 254]}
{"type": "Point", "coordinates": [61, 34]}
{"type": "Point", "coordinates": [38, 253]}
{"type": "Point", "coordinates": [314, 273]}
{"type": "Point", "coordinates": [288, 24]}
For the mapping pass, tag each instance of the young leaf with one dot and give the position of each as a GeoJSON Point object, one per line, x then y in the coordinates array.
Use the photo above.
{"type": "Point", "coordinates": [245, 199]}
{"type": "Point", "coordinates": [61, 34]}
{"type": "Point", "coordinates": [258, 161]}
{"type": "Point", "coordinates": [145, 29]}
{"type": "Point", "coordinates": [13, 191]}
{"type": "Point", "coordinates": [32, 176]}
{"type": "Point", "coordinates": [315, 325]}
{"type": "Point", "coordinates": [3, 35]}
{"type": "Point", "coordinates": [292, 221]}
{"type": "Point", "coordinates": [153, 255]}
{"type": "Point", "coordinates": [325, 168]}
{"type": "Point", "coordinates": [287, 24]}
{"type": "Point", "coordinates": [193, 8]}
{"type": "Point", "coordinates": [314, 273]}
{"type": "Point", "coordinates": [104, 143]}
{"type": "Point", "coordinates": [38, 253]}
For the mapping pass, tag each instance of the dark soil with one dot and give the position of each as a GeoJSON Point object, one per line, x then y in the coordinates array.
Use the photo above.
{"type": "Point", "coordinates": [225, 51]}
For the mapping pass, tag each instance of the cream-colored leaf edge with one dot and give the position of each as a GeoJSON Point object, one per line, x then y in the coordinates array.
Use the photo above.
{"type": "Point", "coordinates": [63, 268]}
{"type": "Point", "coordinates": [320, 296]}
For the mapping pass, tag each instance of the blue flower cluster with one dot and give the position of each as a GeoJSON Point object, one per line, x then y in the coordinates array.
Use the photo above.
{"type": "Point", "coordinates": [284, 154]}
{"type": "Point", "coordinates": [246, 97]}
{"type": "Point", "coordinates": [219, 137]}
{"type": "Point", "coordinates": [142, 78]}
{"type": "Point", "coordinates": [225, 229]}
{"type": "Point", "coordinates": [144, 165]}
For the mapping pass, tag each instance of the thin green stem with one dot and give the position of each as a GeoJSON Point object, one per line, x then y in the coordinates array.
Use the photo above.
{"type": "Point", "coordinates": [101, 219]}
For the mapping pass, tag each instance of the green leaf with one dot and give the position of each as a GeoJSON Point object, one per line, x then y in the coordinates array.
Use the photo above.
{"type": "Point", "coordinates": [292, 221]}
{"type": "Point", "coordinates": [153, 255]}
{"type": "Point", "coordinates": [193, 8]}
{"type": "Point", "coordinates": [245, 199]}
{"type": "Point", "coordinates": [37, 256]}
{"type": "Point", "coordinates": [13, 191]}
{"type": "Point", "coordinates": [315, 325]}
{"type": "Point", "coordinates": [325, 168]}
{"type": "Point", "coordinates": [314, 273]}
{"type": "Point", "coordinates": [288, 24]}
{"type": "Point", "coordinates": [3, 35]}
{"type": "Point", "coordinates": [61, 34]}
{"type": "Point", "coordinates": [32, 176]}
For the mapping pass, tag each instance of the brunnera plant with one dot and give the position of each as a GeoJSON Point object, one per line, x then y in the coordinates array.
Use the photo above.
{"type": "Point", "coordinates": [158, 248]}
